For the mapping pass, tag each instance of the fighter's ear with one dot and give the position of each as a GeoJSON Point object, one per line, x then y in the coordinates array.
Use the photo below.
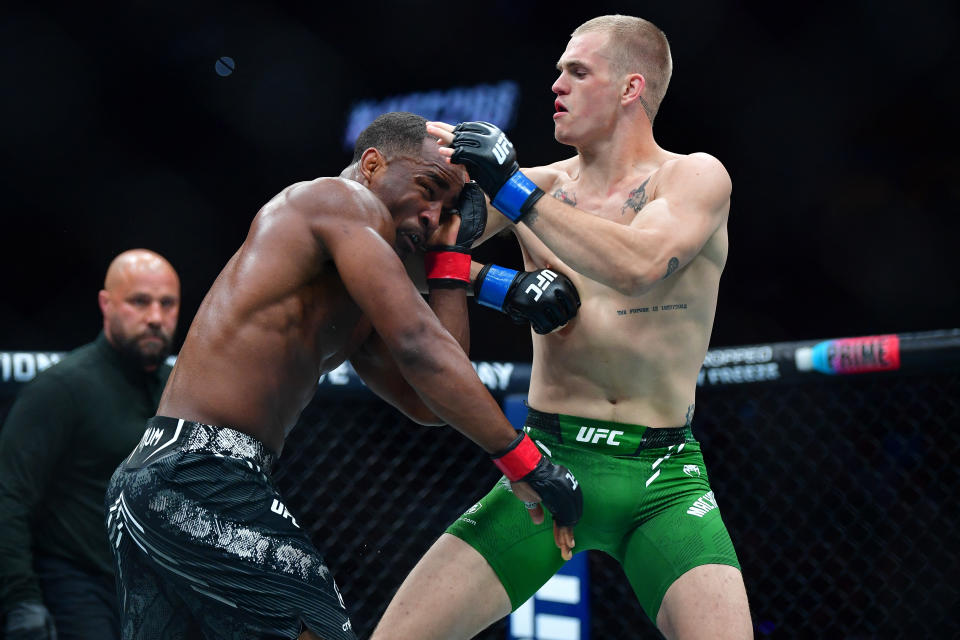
{"type": "Point", "coordinates": [103, 299]}
{"type": "Point", "coordinates": [371, 161]}
{"type": "Point", "coordinates": [633, 86]}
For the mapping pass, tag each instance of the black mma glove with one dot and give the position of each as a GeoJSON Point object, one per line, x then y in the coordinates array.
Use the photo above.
{"type": "Point", "coordinates": [558, 489]}
{"type": "Point", "coordinates": [546, 299]}
{"type": "Point", "coordinates": [449, 265]}
{"type": "Point", "coordinates": [492, 161]}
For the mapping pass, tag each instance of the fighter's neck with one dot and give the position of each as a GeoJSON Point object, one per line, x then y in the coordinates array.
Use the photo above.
{"type": "Point", "coordinates": [352, 173]}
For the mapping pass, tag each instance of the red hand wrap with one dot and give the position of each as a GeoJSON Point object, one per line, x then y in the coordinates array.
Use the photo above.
{"type": "Point", "coordinates": [443, 264]}
{"type": "Point", "coordinates": [520, 460]}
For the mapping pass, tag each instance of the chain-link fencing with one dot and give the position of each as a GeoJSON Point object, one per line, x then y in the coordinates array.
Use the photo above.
{"type": "Point", "coordinates": [837, 492]}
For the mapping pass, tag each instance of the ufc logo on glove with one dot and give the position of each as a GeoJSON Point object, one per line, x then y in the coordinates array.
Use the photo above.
{"type": "Point", "coordinates": [548, 300]}
{"type": "Point", "coordinates": [502, 148]}
{"type": "Point", "coordinates": [544, 278]}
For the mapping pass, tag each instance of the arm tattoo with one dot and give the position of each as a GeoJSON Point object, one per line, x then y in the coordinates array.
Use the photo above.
{"type": "Point", "coordinates": [671, 267]}
{"type": "Point", "coordinates": [638, 198]}
{"type": "Point", "coordinates": [563, 196]}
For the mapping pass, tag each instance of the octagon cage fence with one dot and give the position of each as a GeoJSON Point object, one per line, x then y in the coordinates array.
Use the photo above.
{"type": "Point", "coordinates": [834, 463]}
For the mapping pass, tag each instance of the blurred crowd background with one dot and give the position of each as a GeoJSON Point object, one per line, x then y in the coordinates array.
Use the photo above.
{"type": "Point", "coordinates": [168, 125]}
{"type": "Point", "coordinates": [835, 120]}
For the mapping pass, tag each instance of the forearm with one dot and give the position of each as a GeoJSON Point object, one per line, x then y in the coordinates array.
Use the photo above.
{"type": "Point", "coordinates": [450, 306]}
{"type": "Point", "coordinates": [437, 367]}
{"type": "Point", "coordinates": [447, 263]}
{"type": "Point", "coordinates": [618, 256]}
{"type": "Point", "coordinates": [475, 268]}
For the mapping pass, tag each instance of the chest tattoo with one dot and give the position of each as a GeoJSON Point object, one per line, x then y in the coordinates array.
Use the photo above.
{"type": "Point", "coordinates": [637, 198]}
{"type": "Point", "coordinates": [563, 196]}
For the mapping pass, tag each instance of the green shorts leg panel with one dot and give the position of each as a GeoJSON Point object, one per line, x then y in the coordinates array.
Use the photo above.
{"type": "Point", "coordinates": [668, 546]}
{"type": "Point", "coordinates": [522, 554]}
{"type": "Point", "coordinates": [650, 507]}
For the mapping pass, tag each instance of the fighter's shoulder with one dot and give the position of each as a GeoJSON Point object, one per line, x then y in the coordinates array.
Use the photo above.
{"type": "Point", "coordinates": [347, 199]}
{"type": "Point", "coordinates": [695, 168]}
{"type": "Point", "coordinates": [547, 176]}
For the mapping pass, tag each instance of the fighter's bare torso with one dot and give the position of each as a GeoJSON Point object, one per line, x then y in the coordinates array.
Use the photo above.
{"type": "Point", "coordinates": [277, 317]}
{"type": "Point", "coordinates": [632, 359]}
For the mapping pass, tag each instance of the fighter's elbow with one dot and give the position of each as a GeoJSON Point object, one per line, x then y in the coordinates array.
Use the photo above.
{"type": "Point", "coordinates": [409, 401]}
{"type": "Point", "coordinates": [410, 344]}
{"type": "Point", "coordinates": [635, 281]}
{"type": "Point", "coordinates": [425, 418]}
{"type": "Point", "coordinates": [418, 351]}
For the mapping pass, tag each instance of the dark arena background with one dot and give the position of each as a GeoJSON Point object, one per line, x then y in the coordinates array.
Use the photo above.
{"type": "Point", "coordinates": [167, 126]}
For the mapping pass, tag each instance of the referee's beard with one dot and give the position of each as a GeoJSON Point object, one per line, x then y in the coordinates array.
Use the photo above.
{"type": "Point", "coordinates": [146, 350]}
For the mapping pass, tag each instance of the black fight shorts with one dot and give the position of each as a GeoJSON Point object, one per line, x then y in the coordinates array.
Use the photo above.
{"type": "Point", "coordinates": [204, 547]}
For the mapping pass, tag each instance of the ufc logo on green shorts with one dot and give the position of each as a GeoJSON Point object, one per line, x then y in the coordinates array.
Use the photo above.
{"type": "Point", "coordinates": [595, 435]}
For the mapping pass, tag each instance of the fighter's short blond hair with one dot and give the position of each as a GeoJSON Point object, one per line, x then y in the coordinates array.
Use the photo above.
{"type": "Point", "coordinates": [636, 45]}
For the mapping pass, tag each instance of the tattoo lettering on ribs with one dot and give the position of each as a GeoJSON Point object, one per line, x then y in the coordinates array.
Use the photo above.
{"type": "Point", "coordinates": [637, 198]}
{"type": "Point", "coordinates": [563, 196]}
{"type": "Point", "coordinates": [656, 308]}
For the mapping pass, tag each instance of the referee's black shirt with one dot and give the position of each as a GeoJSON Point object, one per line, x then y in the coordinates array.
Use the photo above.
{"type": "Point", "coordinates": [65, 434]}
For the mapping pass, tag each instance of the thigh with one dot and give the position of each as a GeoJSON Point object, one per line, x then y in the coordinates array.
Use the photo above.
{"type": "Point", "coordinates": [451, 594]}
{"type": "Point", "coordinates": [83, 605]}
{"type": "Point", "coordinates": [708, 602]}
{"type": "Point", "coordinates": [150, 608]}
{"type": "Point", "coordinates": [679, 528]}
{"type": "Point", "coordinates": [217, 534]}
{"type": "Point", "coordinates": [523, 555]}
{"type": "Point", "coordinates": [490, 561]}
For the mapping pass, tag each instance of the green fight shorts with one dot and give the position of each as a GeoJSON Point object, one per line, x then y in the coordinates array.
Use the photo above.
{"type": "Point", "coordinates": [647, 502]}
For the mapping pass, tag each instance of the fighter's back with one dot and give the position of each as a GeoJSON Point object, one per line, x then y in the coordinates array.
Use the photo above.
{"type": "Point", "coordinates": [276, 317]}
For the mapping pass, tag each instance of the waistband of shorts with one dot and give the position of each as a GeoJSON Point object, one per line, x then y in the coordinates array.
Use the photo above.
{"type": "Point", "coordinates": [164, 434]}
{"type": "Point", "coordinates": [614, 438]}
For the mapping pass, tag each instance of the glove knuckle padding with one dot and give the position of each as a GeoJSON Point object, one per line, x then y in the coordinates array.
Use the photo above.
{"type": "Point", "coordinates": [462, 142]}
{"type": "Point", "coordinates": [487, 153]}
{"type": "Point", "coordinates": [558, 490]}
{"type": "Point", "coordinates": [476, 126]}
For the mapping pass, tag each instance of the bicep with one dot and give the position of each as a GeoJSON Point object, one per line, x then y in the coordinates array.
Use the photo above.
{"type": "Point", "coordinates": [375, 365]}
{"type": "Point", "coordinates": [677, 233]}
{"type": "Point", "coordinates": [686, 213]}
{"type": "Point", "coordinates": [376, 280]}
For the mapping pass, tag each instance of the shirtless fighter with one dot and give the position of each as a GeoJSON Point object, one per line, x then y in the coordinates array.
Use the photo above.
{"type": "Point", "coordinates": [203, 544]}
{"type": "Point", "coordinates": [642, 233]}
